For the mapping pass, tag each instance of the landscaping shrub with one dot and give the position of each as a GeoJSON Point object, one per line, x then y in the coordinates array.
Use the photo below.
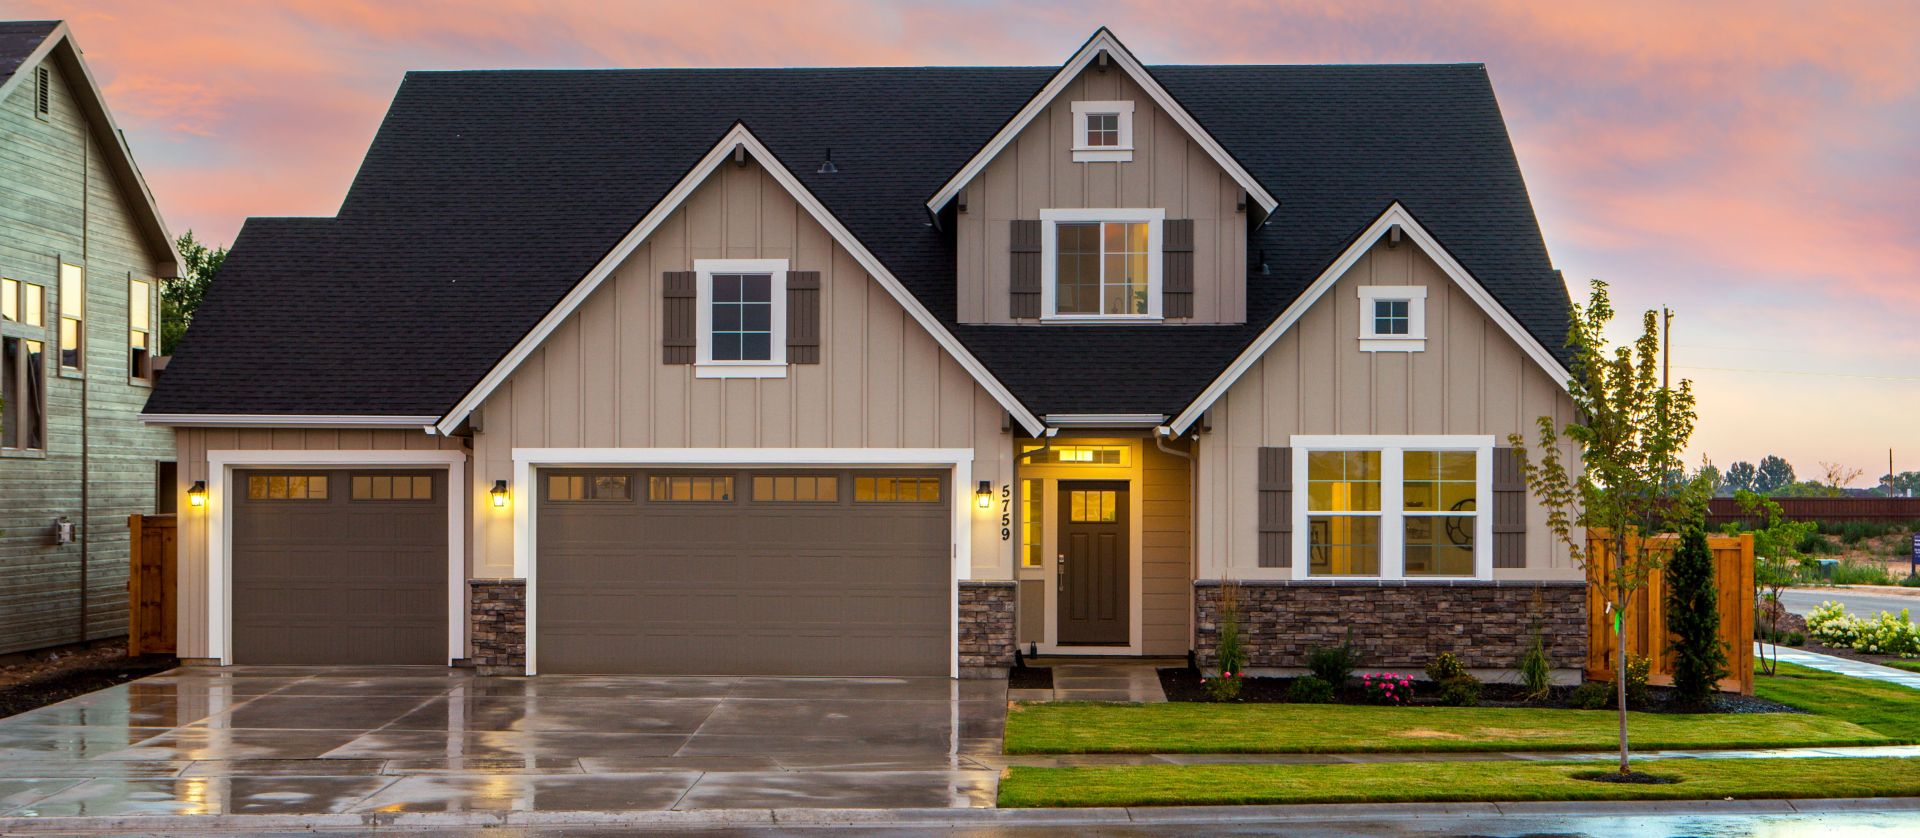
{"type": "Point", "coordinates": [1593, 695]}
{"type": "Point", "coordinates": [1460, 691]}
{"type": "Point", "coordinates": [1912, 581]}
{"type": "Point", "coordinates": [1334, 665]}
{"type": "Point", "coordinates": [1309, 689]}
{"type": "Point", "coordinates": [1225, 684]}
{"type": "Point", "coordinates": [1387, 688]}
{"type": "Point", "coordinates": [1887, 634]}
{"type": "Point", "coordinates": [1693, 618]}
{"type": "Point", "coordinates": [1445, 668]}
{"type": "Point", "coordinates": [1639, 667]}
{"type": "Point", "coordinates": [1815, 543]}
{"type": "Point", "coordinates": [1860, 573]}
{"type": "Point", "coordinates": [1536, 669]}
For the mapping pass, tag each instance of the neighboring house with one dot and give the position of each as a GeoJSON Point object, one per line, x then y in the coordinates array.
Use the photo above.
{"type": "Point", "coordinates": [82, 252]}
{"type": "Point", "coordinates": [885, 371]}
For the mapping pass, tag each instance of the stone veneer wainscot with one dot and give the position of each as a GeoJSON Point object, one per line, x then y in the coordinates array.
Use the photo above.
{"type": "Point", "coordinates": [499, 626]}
{"type": "Point", "coordinates": [986, 629]}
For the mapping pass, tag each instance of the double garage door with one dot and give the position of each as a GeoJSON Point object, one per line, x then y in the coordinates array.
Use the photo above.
{"type": "Point", "coordinates": [723, 572]}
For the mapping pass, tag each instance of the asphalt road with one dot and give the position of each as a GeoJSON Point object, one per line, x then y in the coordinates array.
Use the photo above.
{"type": "Point", "coordinates": [1863, 603]}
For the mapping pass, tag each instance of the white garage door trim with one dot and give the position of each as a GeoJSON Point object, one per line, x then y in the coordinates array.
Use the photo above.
{"type": "Point", "coordinates": [526, 460]}
{"type": "Point", "coordinates": [220, 465]}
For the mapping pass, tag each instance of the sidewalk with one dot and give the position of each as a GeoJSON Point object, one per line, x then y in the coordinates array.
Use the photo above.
{"type": "Point", "coordinates": [1843, 666]}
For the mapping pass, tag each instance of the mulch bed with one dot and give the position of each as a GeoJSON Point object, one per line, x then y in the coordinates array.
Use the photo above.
{"type": "Point", "coordinates": [39, 679]}
{"type": "Point", "coordinates": [1183, 684]}
{"type": "Point", "coordinates": [1030, 678]}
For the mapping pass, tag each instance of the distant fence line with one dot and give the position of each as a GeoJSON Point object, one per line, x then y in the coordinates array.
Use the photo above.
{"type": "Point", "coordinates": [1825, 510]}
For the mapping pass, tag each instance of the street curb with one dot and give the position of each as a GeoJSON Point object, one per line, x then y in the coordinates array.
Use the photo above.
{"type": "Point", "coordinates": [933, 818]}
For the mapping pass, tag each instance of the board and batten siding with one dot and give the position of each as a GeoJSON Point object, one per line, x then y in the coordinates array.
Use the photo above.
{"type": "Point", "coordinates": [599, 380]}
{"type": "Point", "coordinates": [191, 537]}
{"type": "Point", "coordinates": [1472, 378]}
{"type": "Point", "coordinates": [1166, 553]}
{"type": "Point", "coordinates": [1037, 171]}
{"type": "Point", "coordinates": [62, 203]}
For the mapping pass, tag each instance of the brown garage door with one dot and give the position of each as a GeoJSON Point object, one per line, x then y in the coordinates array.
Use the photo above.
{"type": "Point", "coordinates": [747, 572]}
{"type": "Point", "coordinates": [339, 567]}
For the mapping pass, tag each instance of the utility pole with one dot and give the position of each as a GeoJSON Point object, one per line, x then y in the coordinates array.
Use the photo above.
{"type": "Point", "coordinates": [1666, 348]}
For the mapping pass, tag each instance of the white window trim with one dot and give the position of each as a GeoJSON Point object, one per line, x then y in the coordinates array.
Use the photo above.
{"type": "Point", "coordinates": [1392, 489]}
{"type": "Point", "coordinates": [705, 366]}
{"type": "Point", "coordinates": [1415, 340]}
{"type": "Point", "coordinates": [1050, 219]}
{"type": "Point", "coordinates": [1084, 153]}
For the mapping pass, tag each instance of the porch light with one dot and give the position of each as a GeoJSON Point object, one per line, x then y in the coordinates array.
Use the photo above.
{"type": "Point", "coordinates": [984, 495]}
{"type": "Point", "coordinates": [197, 493]}
{"type": "Point", "coordinates": [499, 494]}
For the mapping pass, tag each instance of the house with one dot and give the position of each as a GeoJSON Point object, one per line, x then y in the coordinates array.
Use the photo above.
{"type": "Point", "coordinates": [884, 371]}
{"type": "Point", "coordinates": [82, 253]}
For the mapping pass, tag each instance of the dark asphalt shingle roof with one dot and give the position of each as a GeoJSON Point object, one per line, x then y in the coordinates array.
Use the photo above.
{"type": "Point", "coordinates": [18, 39]}
{"type": "Point", "coordinates": [487, 195]}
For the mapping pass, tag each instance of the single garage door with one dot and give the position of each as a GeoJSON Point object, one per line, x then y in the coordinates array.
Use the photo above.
{"type": "Point", "coordinates": [743, 572]}
{"type": "Point", "coordinates": [339, 567]}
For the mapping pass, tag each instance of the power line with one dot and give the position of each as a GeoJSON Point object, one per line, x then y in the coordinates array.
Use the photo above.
{"type": "Point", "coordinates": [1806, 372]}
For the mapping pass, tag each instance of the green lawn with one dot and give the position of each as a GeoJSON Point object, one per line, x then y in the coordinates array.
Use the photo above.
{"type": "Point", "coordinates": [1889, 709]}
{"type": "Point", "coordinates": [1192, 785]}
{"type": "Point", "coordinates": [1909, 665]}
{"type": "Point", "coordinates": [1194, 728]}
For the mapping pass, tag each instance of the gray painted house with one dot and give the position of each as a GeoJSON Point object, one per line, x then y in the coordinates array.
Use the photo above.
{"type": "Point", "coordinates": [884, 371]}
{"type": "Point", "coordinates": [82, 250]}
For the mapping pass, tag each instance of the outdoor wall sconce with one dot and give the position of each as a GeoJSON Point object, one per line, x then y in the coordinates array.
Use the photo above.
{"type": "Point", "coordinates": [983, 496]}
{"type": "Point", "coordinates": [499, 494]}
{"type": "Point", "coordinates": [197, 493]}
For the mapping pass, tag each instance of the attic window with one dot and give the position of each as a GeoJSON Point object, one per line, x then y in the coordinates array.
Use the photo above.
{"type": "Point", "coordinates": [1393, 318]}
{"type": "Point", "coordinates": [1103, 132]}
{"type": "Point", "coordinates": [42, 91]}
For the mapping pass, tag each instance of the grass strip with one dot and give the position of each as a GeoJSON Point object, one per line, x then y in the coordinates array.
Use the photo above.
{"type": "Point", "coordinates": [1211, 785]}
{"type": "Point", "coordinates": [1888, 709]}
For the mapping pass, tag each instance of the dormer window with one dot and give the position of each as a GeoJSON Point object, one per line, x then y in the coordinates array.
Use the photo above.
{"type": "Point", "coordinates": [1103, 132]}
{"type": "Point", "coordinates": [1393, 318]}
{"type": "Point", "coordinates": [1101, 264]}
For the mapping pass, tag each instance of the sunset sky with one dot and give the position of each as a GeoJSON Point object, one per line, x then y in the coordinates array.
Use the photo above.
{"type": "Point", "coordinates": [1753, 164]}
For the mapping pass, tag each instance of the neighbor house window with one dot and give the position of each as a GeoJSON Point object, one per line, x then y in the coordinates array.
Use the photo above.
{"type": "Point", "coordinates": [742, 318]}
{"type": "Point", "coordinates": [699, 488]}
{"type": "Point", "coordinates": [1032, 518]}
{"type": "Point", "coordinates": [1100, 264]}
{"type": "Point", "coordinates": [589, 487]}
{"type": "Point", "coordinates": [287, 487]}
{"type": "Point", "coordinates": [1392, 507]}
{"type": "Point", "coordinates": [23, 421]}
{"type": "Point", "coordinates": [796, 488]}
{"type": "Point", "coordinates": [139, 329]}
{"type": "Point", "coordinates": [896, 489]}
{"type": "Point", "coordinates": [23, 303]}
{"type": "Point", "coordinates": [1393, 318]}
{"type": "Point", "coordinates": [1103, 132]}
{"type": "Point", "coordinates": [73, 315]}
{"type": "Point", "coordinates": [392, 487]}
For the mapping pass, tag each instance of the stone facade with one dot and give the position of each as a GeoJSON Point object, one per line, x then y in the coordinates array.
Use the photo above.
{"type": "Point", "coordinates": [1400, 626]}
{"type": "Point", "coordinates": [499, 626]}
{"type": "Point", "coordinates": [986, 629]}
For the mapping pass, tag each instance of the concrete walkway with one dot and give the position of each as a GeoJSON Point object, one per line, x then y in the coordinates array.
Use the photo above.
{"type": "Point", "coordinates": [1124, 679]}
{"type": "Point", "coordinates": [1844, 666]}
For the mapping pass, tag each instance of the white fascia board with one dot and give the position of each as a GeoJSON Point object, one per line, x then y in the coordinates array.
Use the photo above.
{"type": "Point", "coordinates": [1395, 215]}
{"type": "Point", "coordinates": [1102, 41]}
{"type": "Point", "coordinates": [241, 420]}
{"type": "Point", "coordinates": [1105, 420]}
{"type": "Point", "coordinates": [738, 137]}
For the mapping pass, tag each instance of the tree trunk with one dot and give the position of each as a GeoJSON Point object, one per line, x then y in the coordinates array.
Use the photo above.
{"type": "Point", "coordinates": [1620, 644]}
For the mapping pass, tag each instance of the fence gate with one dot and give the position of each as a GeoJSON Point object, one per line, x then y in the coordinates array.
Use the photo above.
{"type": "Point", "coordinates": [150, 585]}
{"type": "Point", "coordinates": [1646, 624]}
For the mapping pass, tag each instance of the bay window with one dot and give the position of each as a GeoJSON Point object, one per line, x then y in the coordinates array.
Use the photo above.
{"type": "Point", "coordinates": [1392, 507]}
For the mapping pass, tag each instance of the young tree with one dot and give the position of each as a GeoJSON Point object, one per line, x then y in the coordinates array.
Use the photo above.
{"type": "Point", "coordinates": [1693, 617]}
{"type": "Point", "coordinates": [179, 298]}
{"type": "Point", "coordinates": [1774, 473]}
{"type": "Point", "coordinates": [1740, 477]}
{"type": "Point", "coordinates": [1776, 552]}
{"type": "Point", "coordinates": [1631, 431]}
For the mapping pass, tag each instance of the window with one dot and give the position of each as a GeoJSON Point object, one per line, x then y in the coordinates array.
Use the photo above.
{"type": "Point", "coordinates": [392, 487]}
{"type": "Point", "coordinates": [23, 420]}
{"type": "Point", "coordinates": [1393, 507]}
{"type": "Point", "coordinates": [1032, 522]}
{"type": "Point", "coordinates": [796, 488]}
{"type": "Point", "coordinates": [23, 303]}
{"type": "Point", "coordinates": [589, 487]}
{"type": "Point", "coordinates": [1393, 318]}
{"type": "Point", "coordinates": [1100, 264]}
{"type": "Point", "coordinates": [286, 487]}
{"type": "Point", "coordinates": [896, 489]}
{"type": "Point", "coordinates": [42, 91]}
{"type": "Point", "coordinates": [139, 328]}
{"type": "Point", "coordinates": [742, 318]}
{"type": "Point", "coordinates": [690, 487]}
{"type": "Point", "coordinates": [1076, 455]}
{"type": "Point", "coordinates": [73, 312]}
{"type": "Point", "coordinates": [1095, 506]}
{"type": "Point", "coordinates": [1103, 132]}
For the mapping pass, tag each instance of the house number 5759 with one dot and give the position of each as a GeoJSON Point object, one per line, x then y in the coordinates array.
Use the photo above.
{"type": "Point", "coordinates": [1006, 511]}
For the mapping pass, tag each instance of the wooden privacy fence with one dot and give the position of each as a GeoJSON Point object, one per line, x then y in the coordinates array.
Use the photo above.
{"type": "Point", "coordinates": [1825, 510]}
{"type": "Point", "coordinates": [1646, 621]}
{"type": "Point", "coordinates": [150, 585]}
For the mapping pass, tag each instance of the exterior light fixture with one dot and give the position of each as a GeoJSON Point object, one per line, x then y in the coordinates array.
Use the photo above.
{"type": "Point", "coordinates": [197, 493]}
{"type": "Point", "coordinates": [984, 495]}
{"type": "Point", "coordinates": [499, 494]}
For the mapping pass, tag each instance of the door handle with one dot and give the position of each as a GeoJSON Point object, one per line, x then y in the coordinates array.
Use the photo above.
{"type": "Point", "coordinates": [1060, 573]}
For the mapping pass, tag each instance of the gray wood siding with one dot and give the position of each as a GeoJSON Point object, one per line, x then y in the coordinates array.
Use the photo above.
{"type": "Point", "coordinates": [1472, 379]}
{"type": "Point", "coordinates": [1036, 171]}
{"type": "Point", "coordinates": [62, 203]}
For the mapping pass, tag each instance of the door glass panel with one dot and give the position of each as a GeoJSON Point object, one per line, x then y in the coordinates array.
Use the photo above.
{"type": "Point", "coordinates": [1092, 506]}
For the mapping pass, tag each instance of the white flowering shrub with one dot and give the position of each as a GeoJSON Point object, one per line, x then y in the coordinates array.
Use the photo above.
{"type": "Point", "coordinates": [1887, 634]}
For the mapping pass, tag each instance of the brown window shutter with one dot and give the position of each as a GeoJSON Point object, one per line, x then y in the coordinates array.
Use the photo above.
{"type": "Point", "coordinates": [1024, 280]}
{"type": "Point", "coordinates": [678, 292]}
{"type": "Point", "coordinates": [1276, 507]}
{"type": "Point", "coordinates": [1509, 510]}
{"type": "Point", "coordinates": [803, 317]}
{"type": "Point", "coordinates": [1176, 270]}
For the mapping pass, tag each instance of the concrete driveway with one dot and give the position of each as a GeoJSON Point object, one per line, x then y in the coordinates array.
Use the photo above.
{"type": "Point", "coordinates": [269, 740]}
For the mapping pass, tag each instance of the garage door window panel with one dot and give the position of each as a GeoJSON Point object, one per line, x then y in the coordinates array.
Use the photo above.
{"type": "Point", "coordinates": [877, 489]}
{"type": "Point", "coordinates": [796, 488]}
{"type": "Point", "coordinates": [568, 488]}
{"type": "Point", "coordinates": [392, 487]}
{"type": "Point", "coordinates": [690, 488]}
{"type": "Point", "coordinates": [293, 487]}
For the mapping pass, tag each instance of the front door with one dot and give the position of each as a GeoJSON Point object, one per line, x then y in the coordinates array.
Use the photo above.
{"type": "Point", "coordinates": [1093, 563]}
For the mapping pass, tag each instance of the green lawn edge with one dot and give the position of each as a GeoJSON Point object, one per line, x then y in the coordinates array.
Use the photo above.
{"type": "Point", "coordinates": [1889, 709]}
{"type": "Point", "coordinates": [1224, 785]}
